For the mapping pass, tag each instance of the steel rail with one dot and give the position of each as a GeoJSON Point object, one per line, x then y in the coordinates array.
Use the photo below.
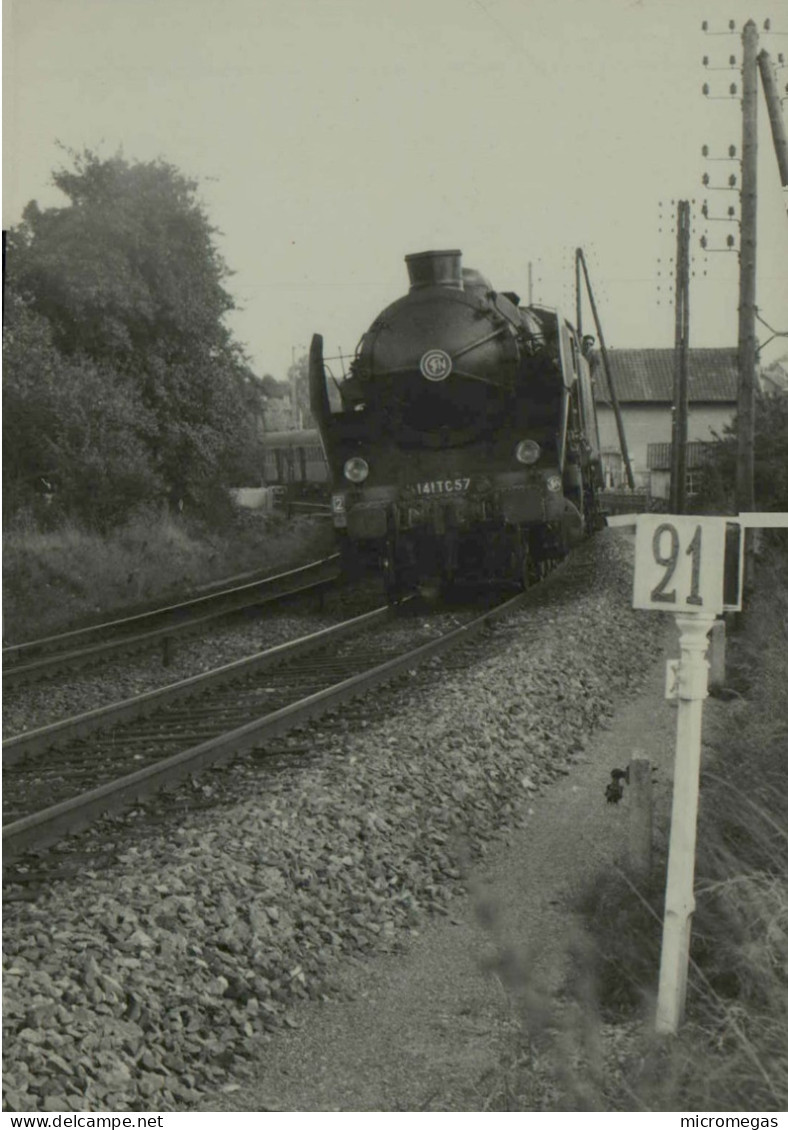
{"type": "Point", "coordinates": [76, 659]}
{"type": "Point", "coordinates": [42, 828]}
{"type": "Point", "coordinates": [32, 742]}
{"type": "Point", "coordinates": [228, 601]}
{"type": "Point", "coordinates": [217, 592]}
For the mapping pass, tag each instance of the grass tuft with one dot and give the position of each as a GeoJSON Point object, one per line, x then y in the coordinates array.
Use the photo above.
{"type": "Point", "coordinates": [70, 576]}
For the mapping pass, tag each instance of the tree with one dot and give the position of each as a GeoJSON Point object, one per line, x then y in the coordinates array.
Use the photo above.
{"type": "Point", "coordinates": [718, 483]}
{"type": "Point", "coordinates": [129, 267]}
{"type": "Point", "coordinates": [774, 377]}
{"type": "Point", "coordinates": [73, 431]}
{"type": "Point", "coordinates": [298, 378]}
{"type": "Point", "coordinates": [274, 389]}
{"type": "Point", "coordinates": [129, 281]}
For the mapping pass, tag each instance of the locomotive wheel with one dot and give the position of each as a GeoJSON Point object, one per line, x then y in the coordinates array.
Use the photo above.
{"type": "Point", "coordinates": [394, 593]}
{"type": "Point", "coordinates": [448, 585]}
{"type": "Point", "coordinates": [592, 511]}
{"type": "Point", "coordinates": [520, 568]}
{"type": "Point", "coordinates": [525, 572]}
{"type": "Point", "coordinates": [392, 580]}
{"type": "Point", "coordinates": [351, 561]}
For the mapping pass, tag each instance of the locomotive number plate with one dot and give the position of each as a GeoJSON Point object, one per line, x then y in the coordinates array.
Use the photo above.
{"type": "Point", "coordinates": [443, 486]}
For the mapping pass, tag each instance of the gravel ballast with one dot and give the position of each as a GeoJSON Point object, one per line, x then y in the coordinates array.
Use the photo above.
{"type": "Point", "coordinates": [115, 678]}
{"type": "Point", "coordinates": [157, 974]}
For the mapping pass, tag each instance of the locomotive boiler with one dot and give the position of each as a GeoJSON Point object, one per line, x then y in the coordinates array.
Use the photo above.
{"type": "Point", "coordinates": [463, 444]}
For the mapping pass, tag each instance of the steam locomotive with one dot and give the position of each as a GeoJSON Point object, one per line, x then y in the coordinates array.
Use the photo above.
{"type": "Point", "coordinates": [463, 444]}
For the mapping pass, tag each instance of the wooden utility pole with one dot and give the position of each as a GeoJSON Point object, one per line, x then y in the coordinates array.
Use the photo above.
{"type": "Point", "coordinates": [578, 300]}
{"type": "Point", "coordinates": [748, 345]}
{"type": "Point", "coordinates": [580, 258]}
{"type": "Point", "coordinates": [678, 449]}
{"type": "Point", "coordinates": [771, 93]}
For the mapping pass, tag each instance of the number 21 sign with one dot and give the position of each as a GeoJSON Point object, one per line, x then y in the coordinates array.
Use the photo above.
{"type": "Point", "coordinates": [679, 563]}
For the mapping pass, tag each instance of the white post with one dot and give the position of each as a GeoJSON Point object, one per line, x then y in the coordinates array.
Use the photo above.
{"type": "Point", "coordinates": [679, 896]}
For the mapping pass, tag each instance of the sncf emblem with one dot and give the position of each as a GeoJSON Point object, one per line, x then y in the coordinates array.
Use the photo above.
{"type": "Point", "coordinates": [435, 365]}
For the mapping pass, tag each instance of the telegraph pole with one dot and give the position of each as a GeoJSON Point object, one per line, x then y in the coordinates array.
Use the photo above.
{"type": "Point", "coordinates": [748, 346]}
{"type": "Point", "coordinates": [678, 449]}
{"type": "Point", "coordinates": [771, 93]}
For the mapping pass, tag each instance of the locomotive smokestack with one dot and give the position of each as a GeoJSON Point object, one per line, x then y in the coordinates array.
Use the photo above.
{"type": "Point", "coordinates": [435, 268]}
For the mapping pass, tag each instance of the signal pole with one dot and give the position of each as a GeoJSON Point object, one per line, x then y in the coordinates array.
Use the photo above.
{"type": "Point", "coordinates": [748, 345]}
{"type": "Point", "coordinates": [678, 449]}
{"type": "Point", "coordinates": [580, 258]}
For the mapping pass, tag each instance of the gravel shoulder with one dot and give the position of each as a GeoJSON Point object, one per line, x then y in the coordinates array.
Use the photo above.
{"type": "Point", "coordinates": [428, 1029]}
{"type": "Point", "coordinates": [187, 942]}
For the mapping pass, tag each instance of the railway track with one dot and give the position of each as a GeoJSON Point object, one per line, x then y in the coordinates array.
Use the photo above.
{"type": "Point", "coordinates": [109, 758]}
{"type": "Point", "coordinates": [37, 659]}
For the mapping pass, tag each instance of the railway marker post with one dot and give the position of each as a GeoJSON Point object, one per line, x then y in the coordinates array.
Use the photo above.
{"type": "Point", "coordinates": [679, 564]}
{"type": "Point", "coordinates": [680, 568]}
{"type": "Point", "coordinates": [679, 896]}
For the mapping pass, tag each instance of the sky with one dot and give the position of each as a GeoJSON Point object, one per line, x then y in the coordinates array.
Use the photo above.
{"type": "Point", "coordinates": [333, 137]}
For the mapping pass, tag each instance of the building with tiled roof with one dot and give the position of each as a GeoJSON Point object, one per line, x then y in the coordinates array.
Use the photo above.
{"type": "Point", "coordinates": [643, 379]}
{"type": "Point", "coordinates": [646, 376]}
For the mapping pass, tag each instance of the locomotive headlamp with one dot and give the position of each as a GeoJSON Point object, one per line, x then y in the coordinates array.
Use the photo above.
{"type": "Point", "coordinates": [527, 451]}
{"type": "Point", "coordinates": [356, 469]}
